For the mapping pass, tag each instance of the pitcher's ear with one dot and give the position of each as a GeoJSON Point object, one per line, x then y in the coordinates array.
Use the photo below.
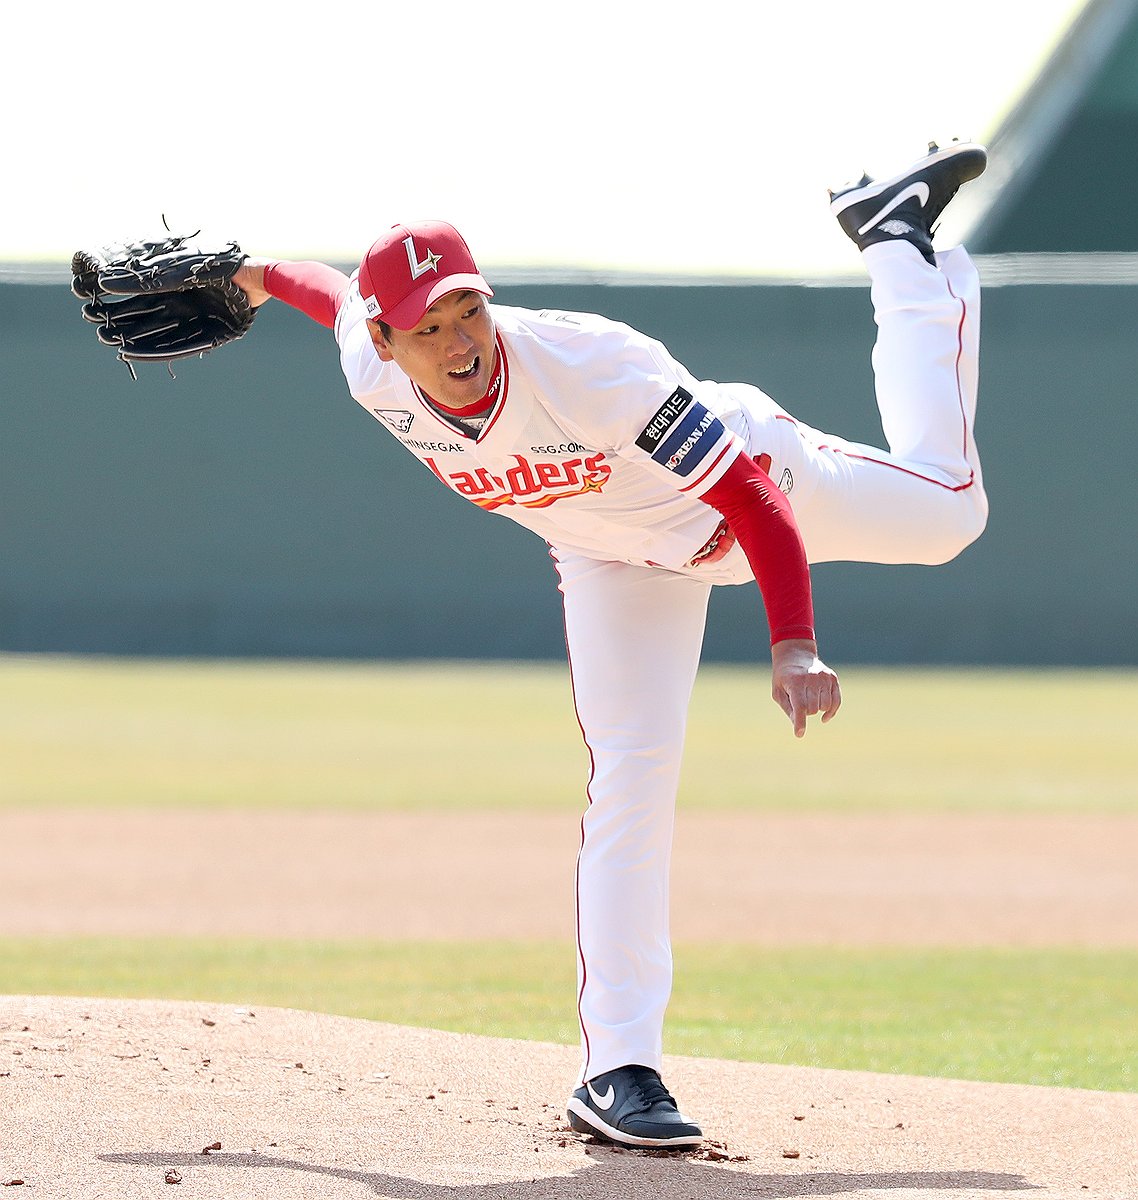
{"type": "Point", "coordinates": [382, 348]}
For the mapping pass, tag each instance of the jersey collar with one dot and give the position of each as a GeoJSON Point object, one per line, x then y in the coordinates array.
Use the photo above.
{"type": "Point", "coordinates": [494, 398]}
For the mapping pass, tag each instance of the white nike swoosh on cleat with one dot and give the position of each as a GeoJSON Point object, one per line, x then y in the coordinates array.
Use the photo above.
{"type": "Point", "coordinates": [602, 1102]}
{"type": "Point", "coordinates": [918, 190]}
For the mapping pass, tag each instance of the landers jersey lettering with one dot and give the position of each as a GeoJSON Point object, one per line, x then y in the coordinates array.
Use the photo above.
{"type": "Point", "coordinates": [599, 441]}
{"type": "Point", "coordinates": [534, 484]}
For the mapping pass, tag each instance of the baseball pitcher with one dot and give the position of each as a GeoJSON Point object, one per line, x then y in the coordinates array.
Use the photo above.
{"type": "Point", "coordinates": [650, 487]}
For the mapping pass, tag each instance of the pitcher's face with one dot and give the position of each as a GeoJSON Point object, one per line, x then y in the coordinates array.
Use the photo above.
{"type": "Point", "coordinates": [450, 353]}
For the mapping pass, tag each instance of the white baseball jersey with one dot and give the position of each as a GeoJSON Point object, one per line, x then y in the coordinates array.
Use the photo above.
{"type": "Point", "coordinates": [599, 441]}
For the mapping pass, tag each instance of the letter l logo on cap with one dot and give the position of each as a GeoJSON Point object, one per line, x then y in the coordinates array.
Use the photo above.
{"type": "Point", "coordinates": [430, 263]}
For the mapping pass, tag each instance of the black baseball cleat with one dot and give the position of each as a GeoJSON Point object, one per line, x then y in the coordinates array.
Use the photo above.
{"type": "Point", "coordinates": [906, 207]}
{"type": "Point", "coordinates": [631, 1107]}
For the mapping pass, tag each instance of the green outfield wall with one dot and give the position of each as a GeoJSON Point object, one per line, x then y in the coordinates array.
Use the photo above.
{"type": "Point", "coordinates": [250, 507]}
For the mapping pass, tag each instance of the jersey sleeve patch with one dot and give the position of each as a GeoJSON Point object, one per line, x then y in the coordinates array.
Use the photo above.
{"type": "Point", "coordinates": [681, 433]}
{"type": "Point", "coordinates": [666, 416]}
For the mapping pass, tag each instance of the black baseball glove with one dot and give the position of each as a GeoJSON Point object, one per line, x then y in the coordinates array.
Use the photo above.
{"type": "Point", "coordinates": [156, 301]}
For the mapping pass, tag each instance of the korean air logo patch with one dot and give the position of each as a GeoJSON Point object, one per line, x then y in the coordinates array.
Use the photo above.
{"type": "Point", "coordinates": [681, 433]}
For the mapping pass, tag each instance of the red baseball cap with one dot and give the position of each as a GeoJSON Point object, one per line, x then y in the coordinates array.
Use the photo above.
{"type": "Point", "coordinates": [411, 266]}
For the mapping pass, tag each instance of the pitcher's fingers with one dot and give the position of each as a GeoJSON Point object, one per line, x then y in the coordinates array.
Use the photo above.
{"type": "Point", "coordinates": [830, 710]}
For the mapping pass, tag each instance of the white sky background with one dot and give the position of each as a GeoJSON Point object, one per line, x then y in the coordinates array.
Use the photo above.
{"type": "Point", "coordinates": [616, 134]}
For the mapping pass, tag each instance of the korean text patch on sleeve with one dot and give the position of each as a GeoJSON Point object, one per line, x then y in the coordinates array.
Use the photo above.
{"type": "Point", "coordinates": [681, 433]}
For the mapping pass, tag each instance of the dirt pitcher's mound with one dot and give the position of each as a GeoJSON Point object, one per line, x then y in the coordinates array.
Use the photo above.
{"type": "Point", "coordinates": [122, 1099]}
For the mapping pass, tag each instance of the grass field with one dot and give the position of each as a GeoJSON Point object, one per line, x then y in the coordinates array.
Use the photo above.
{"type": "Point", "coordinates": [1050, 1017]}
{"type": "Point", "coordinates": [108, 732]}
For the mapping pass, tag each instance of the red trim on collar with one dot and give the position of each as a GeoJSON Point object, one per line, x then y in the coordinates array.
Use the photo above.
{"type": "Point", "coordinates": [498, 388]}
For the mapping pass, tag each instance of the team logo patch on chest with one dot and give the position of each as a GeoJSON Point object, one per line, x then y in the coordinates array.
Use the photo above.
{"type": "Point", "coordinates": [532, 483]}
{"type": "Point", "coordinates": [397, 418]}
{"type": "Point", "coordinates": [681, 433]}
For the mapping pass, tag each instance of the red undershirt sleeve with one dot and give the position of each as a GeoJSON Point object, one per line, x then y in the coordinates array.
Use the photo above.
{"type": "Point", "coordinates": [760, 517]}
{"type": "Point", "coordinates": [315, 288]}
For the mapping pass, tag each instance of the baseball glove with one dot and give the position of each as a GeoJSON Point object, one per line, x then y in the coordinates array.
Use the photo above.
{"type": "Point", "coordinates": [161, 300]}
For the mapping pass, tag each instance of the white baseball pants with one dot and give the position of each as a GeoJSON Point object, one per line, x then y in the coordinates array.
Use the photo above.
{"type": "Point", "coordinates": [634, 633]}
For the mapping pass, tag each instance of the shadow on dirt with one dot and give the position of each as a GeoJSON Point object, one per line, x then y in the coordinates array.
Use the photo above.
{"type": "Point", "coordinates": [614, 1173]}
